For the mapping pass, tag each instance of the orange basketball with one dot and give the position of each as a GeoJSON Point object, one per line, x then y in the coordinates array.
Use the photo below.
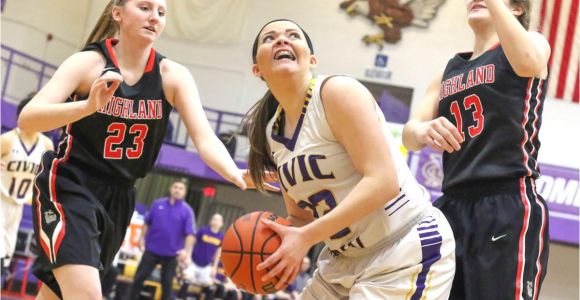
{"type": "Point", "coordinates": [246, 244]}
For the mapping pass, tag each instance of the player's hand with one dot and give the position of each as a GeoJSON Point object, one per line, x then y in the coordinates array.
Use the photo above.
{"type": "Point", "coordinates": [244, 181]}
{"type": "Point", "coordinates": [102, 90]}
{"type": "Point", "coordinates": [440, 134]}
{"type": "Point", "coordinates": [286, 261]}
{"type": "Point", "coordinates": [2, 166]}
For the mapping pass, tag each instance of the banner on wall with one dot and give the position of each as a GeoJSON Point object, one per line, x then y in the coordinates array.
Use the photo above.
{"type": "Point", "coordinates": [558, 185]}
{"type": "Point", "coordinates": [559, 23]}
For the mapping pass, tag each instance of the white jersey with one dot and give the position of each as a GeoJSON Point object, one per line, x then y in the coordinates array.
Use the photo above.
{"type": "Point", "coordinates": [21, 165]}
{"type": "Point", "coordinates": [316, 171]}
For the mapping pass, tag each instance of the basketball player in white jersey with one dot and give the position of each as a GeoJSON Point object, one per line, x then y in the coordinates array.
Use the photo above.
{"type": "Point", "coordinates": [343, 181]}
{"type": "Point", "coordinates": [21, 154]}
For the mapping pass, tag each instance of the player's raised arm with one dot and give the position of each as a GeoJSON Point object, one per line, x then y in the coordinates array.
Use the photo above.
{"type": "Point", "coordinates": [527, 51]}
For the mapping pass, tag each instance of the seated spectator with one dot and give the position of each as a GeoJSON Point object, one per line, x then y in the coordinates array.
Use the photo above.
{"type": "Point", "coordinates": [205, 258]}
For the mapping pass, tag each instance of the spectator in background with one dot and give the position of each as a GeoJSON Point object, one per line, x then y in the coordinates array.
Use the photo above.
{"type": "Point", "coordinates": [169, 238]}
{"type": "Point", "coordinates": [304, 275]}
{"type": "Point", "coordinates": [225, 288]}
{"type": "Point", "coordinates": [288, 293]}
{"type": "Point", "coordinates": [21, 154]}
{"type": "Point", "coordinates": [206, 253]}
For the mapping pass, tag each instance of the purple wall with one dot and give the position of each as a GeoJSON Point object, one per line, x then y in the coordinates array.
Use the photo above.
{"type": "Point", "coordinates": [559, 186]}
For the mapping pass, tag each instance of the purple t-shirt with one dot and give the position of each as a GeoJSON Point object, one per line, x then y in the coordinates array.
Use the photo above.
{"type": "Point", "coordinates": [206, 244]}
{"type": "Point", "coordinates": [168, 226]}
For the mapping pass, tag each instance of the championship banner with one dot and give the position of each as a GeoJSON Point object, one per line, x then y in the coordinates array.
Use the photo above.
{"type": "Point", "coordinates": [557, 185]}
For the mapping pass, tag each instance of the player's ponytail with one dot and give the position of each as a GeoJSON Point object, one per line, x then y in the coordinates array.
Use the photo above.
{"type": "Point", "coordinates": [256, 120]}
{"type": "Point", "coordinates": [524, 18]}
{"type": "Point", "coordinates": [106, 26]}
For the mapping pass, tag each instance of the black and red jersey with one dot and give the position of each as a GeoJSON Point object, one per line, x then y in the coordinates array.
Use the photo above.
{"type": "Point", "coordinates": [123, 138]}
{"type": "Point", "coordinates": [497, 112]}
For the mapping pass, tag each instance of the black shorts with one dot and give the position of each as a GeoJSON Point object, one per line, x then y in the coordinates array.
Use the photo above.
{"type": "Point", "coordinates": [501, 236]}
{"type": "Point", "coordinates": [80, 217]}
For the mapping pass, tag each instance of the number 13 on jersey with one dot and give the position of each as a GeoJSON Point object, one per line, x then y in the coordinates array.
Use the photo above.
{"type": "Point", "coordinates": [470, 103]}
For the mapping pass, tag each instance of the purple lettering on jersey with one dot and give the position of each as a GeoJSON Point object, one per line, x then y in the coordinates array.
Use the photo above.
{"type": "Point", "coordinates": [308, 168]}
{"type": "Point", "coordinates": [303, 169]}
{"type": "Point", "coordinates": [22, 166]}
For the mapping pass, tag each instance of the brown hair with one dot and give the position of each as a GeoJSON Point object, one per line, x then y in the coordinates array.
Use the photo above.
{"type": "Point", "coordinates": [106, 26]}
{"type": "Point", "coordinates": [524, 18]}
{"type": "Point", "coordinates": [256, 120]}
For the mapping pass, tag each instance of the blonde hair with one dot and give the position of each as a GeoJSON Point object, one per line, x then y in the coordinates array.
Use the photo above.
{"type": "Point", "coordinates": [106, 26]}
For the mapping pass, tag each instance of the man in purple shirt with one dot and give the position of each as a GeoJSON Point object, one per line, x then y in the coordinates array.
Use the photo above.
{"type": "Point", "coordinates": [168, 239]}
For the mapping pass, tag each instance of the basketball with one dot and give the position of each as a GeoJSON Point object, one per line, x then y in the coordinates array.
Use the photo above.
{"type": "Point", "coordinates": [247, 243]}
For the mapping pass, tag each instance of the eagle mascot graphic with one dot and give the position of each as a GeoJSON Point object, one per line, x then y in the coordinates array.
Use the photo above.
{"type": "Point", "coordinates": [392, 15]}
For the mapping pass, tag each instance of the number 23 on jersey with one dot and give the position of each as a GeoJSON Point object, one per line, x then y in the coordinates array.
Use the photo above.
{"type": "Point", "coordinates": [118, 133]}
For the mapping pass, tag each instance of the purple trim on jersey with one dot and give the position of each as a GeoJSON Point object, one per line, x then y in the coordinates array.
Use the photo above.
{"type": "Point", "coordinates": [205, 246]}
{"type": "Point", "coordinates": [28, 152]}
{"type": "Point", "coordinates": [431, 249]}
{"type": "Point", "coordinates": [168, 226]}
{"type": "Point", "coordinates": [280, 138]}
{"type": "Point", "coordinates": [396, 200]}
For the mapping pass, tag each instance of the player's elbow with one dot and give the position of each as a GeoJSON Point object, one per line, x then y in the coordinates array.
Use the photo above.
{"type": "Point", "coordinates": [529, 65]}
{"type": "Point", "coordinates": [25, 122]}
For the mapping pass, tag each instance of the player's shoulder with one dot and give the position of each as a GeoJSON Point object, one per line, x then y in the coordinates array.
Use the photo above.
{"type": "Point", "coordinates": [341, 88]}
{"type": "Point", "coordinates": [174, 75]}
{"type": "Point", "coordinates": [85, 65]}
{"type": "Point", "coordinates": [171, 67]}
{"type": "Point", "coordinates": [338, 83]}
{"type": "Point", "coordinates": [8, 134]}
{"type": "Point", "coordinates": [86, 59]}
{"type": "Point", "coordinates": [6, 141]}
{"type": "Point", "coordinates": [46, 141]}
